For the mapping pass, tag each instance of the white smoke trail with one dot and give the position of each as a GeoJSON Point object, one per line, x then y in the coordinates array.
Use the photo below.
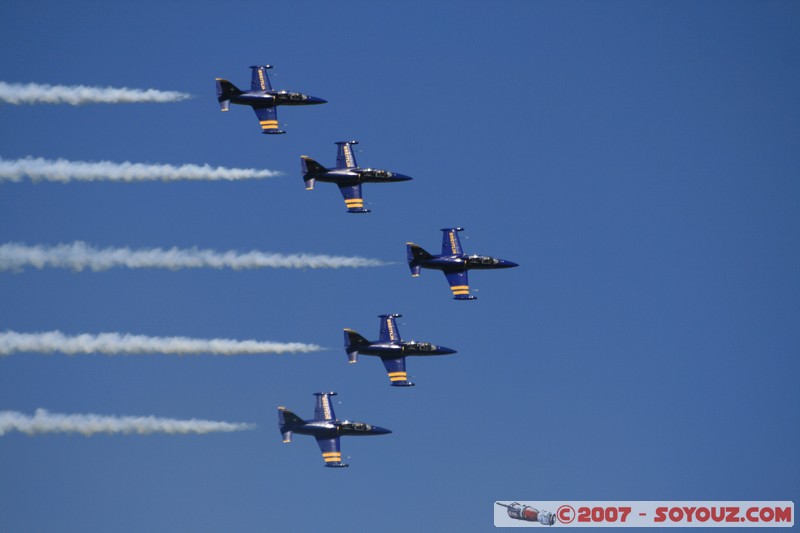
{"type": "Point", "coordinates": [64, 171]}
{"type": "Point", "coordinates": [89, 424]}
{"type": "Point", "coordinates": [36, 93]}
{"type": "Point", "coordinates": [79, 256]}
{"type": "Point", "coordinates": [123, 344]}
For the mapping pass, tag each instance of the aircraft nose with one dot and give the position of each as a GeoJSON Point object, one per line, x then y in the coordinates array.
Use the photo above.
{"type": "Point", "coordinates": [315, 100]}
{"type": "Point", "coordinates": [376, 430]}
{"type": "Point", "coordinates": [446, 351]}
{"type": "Point", "coordinates": [507, 264]}
{"type": "Point", "coordinates": [396, 176]}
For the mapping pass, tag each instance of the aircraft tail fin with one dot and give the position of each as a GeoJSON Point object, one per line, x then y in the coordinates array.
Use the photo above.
{"type": "Point", "coordinates": [310, 168]}
{"type": "Point", "coordinates": [287, 421]}
{"type": "Point", "coordinates": [415, 256]}
{"type": "Point", "coordinates": [226, 90]}
{"type": "Point", "coordinates": [352, 342]}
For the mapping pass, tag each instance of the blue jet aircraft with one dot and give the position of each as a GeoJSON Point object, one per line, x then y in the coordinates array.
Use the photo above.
{"type": "Point", "coordinates": [347, 175]}
{"type": "Point", "coordinates": [453, 262]}
{"type": "Point", "coordinates": [391, 349]}
{"type": "Point", "coordinates": [261, 98]}
{"type": "Point", "coordinates": [325, 427]}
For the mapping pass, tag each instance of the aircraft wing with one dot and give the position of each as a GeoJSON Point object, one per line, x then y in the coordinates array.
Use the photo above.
{"type": "Point", "coordinates": [352, 198]}
{"type": "Point", "coordinates": [268, 118]}
{"type": "Point", "coordinates": [345, 158]}
{"type": "Point", "coordinates": [451, 244]}
{"type": "Point", "coordinates": [459, 284]}
{"type": "Point", "coordinates": [323, 409]}
{"type": "Point", "coordinates": [389, 329]}
{"type": "Point", "coordinates": [259, 79]}
{"type": "Point", "coordinates": [331, 452]}
{"type": "Point", "coordinates": [396, 368]}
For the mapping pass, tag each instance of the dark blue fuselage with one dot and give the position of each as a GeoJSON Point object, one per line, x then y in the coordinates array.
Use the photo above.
{"type": "Point", "coordinates": [352, 176]}
{"type": "Point", "coordinates": [273, 98]}
{"type": "Point", "coordinates": [464, 262]}
{"type": "Point", "coordinates": [403, 349]}
{"type": "Point", "coordinates": [327, 429]}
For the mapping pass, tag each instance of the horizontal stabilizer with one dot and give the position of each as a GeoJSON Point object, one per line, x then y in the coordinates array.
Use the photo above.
{"type": "Point", "coordinates": [224, 105]}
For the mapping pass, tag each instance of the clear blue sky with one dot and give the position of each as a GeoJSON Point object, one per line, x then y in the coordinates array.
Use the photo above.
{"type": "Point", "coordinates": [639, 160]}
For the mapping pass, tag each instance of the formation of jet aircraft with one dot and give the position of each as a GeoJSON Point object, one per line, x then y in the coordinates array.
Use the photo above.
{"type": "Point", "coordinates": [326, 428]}
{"type": "Point", "coordinates": [391, 349]}
{"type": "Point", "coordinates": [453, 262]}
{"type": "Point", "coordinates": [347, 175]}
{"type": "Point", "coordinates": [262, 98]}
